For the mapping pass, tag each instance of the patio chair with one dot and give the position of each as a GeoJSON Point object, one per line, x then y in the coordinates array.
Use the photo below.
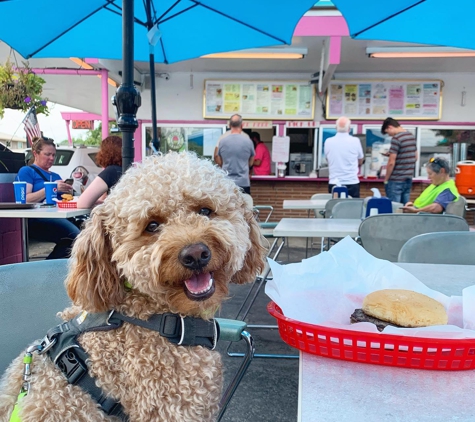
{"type": "Point", "coordinates": [341, 191]}
{"type": "Point", "coordinates": [31, 293]}
{"type": "Point", "coordinates": [384, 235]}
{"type": "Point", "coordinates": [320, 214]}
{"type": "Point", "coordinates": [457, 207]}
{"type": "Point", "coordinates": [352, 208]}
{"type": "Point", "coordinates": [381, 205]}
{"type": "Point", "coordinates": [327, 212]}
{"type": "Point", "coordinates": [343, 208]}
{"type": "Point", "coordinates": [456, 248]}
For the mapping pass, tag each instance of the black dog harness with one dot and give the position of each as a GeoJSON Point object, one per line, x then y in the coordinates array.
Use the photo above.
{"type": "Point", "coordinates": [62, 347]}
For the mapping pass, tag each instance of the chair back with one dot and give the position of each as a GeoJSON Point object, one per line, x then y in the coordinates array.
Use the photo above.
{"type": "Point", "coordinates": [31, 294]}
{"type": "Point", "coordinates": [321, 196]}
{"type": "Point", "coordinates": [384, 235]}
{"type": "Point", "coordinates": [328, 212]}
{"type": "Point", "coordinates": [457, 207]}
{"type": "Point", "coordinates": [396, 206]}
{"type": "Point", "coordinates": [320, 213]}
{"type": "Point", "coordinates": [380, 205]}
{"type": "Point", "coordinates": [457, 248]}
{"type": "Point", "coordinates": [341, 191]}
{"type": "Point", "coordinates": [351, 208]}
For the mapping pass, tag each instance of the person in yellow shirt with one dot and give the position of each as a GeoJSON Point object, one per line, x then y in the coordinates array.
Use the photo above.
{"type": "Point", "coordinates": [441, 192]}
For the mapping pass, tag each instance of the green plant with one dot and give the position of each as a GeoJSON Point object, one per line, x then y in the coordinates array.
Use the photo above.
{"type": "Point", "coordinates": [20, 89]}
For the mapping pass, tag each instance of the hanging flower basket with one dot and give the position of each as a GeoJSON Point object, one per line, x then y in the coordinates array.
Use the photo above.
{"type": "Point", "coordinates": [21, 89]}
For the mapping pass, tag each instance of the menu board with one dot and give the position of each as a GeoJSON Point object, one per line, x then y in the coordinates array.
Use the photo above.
{"type": "Point", "coordinates": [376, 100]}
{"type": "Point", "coordinates": [291, 100]}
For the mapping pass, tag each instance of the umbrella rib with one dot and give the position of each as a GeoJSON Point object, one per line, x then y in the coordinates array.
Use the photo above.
{"type": "Point", "coordinates": [119, 12]}
{"type": "Point", "coordinates": [166, 11]}
{"type": "Point", "coordinates": [66, 31]}
{"type": "Point", "coordinates": [239, 21]}
{"type": "Point", "coordinates": [175, 15]}
{"type": "Point", "coordinates": [389, 17]}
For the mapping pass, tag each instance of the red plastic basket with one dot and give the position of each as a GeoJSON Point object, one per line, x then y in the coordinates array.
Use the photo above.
{"type": "Point", "coordinates": [68, 204]}
{"type": "Point", "coordinates": [380, 349]}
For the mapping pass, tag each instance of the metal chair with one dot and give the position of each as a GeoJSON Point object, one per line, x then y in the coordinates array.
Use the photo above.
{"type": "Point", "coordinates": [352, 205]}
{"type": "Point", "coordinates": [384, 235]}
{"type": "Point", "coordinates": [341, 191]}
{"type": "Point", "coordinates": [319, 214]}
{"type": "Point", "coordinates": [382, 206]}
{"type": "Point", "coordinates": [31, 294]}
{"type": "Point", "coordinates": [457, 207]}
{"type": "Point", "coordinates": [456, 248]}
{"type": "Point", "coordinates": [396, 206]}
{"type": "Point", "coordinates": [352, 208]}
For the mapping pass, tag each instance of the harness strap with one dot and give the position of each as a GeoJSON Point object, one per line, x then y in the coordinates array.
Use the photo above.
{"type": "Point", "coordinates": [60, 343]}
{"type": "Point", "coordinates": [63, 349]}
{"type": "Point", "coordinates": [183, 331]}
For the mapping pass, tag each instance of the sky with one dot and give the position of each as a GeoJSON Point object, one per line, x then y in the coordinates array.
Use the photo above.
{"type": "Point", "coordinates": [53, 125]}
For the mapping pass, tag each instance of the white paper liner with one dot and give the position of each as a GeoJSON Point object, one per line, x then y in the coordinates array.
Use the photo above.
{"type": "Point", "coordinates": [327, 288]}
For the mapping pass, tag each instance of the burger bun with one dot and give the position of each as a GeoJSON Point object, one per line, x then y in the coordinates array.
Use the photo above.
{"type": "Point", "coordinates": [405, 308]}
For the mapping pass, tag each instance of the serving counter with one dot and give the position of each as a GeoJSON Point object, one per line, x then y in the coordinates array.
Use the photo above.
{"type": "Point", "coordinates": [273, 190]}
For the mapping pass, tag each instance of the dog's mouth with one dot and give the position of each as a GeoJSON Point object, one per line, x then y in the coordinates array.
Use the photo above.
{"type": "Point", "coordinates": [200, 286]}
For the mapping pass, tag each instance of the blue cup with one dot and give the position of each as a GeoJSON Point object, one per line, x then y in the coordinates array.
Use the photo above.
{"type": "Point", "coordinates": [20, 192]}
{"type": "Point", "coordinates": [51, 190]}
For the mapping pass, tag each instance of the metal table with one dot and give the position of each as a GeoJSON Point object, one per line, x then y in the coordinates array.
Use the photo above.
{"type": "Point", "coordinates": [317, 227]}
{"type": "Point", "coordinates": [333, 390]}
{"type": "Point", "coordinates": [305, 204]}
{"type": "Point", "coordinates": [25, 214]}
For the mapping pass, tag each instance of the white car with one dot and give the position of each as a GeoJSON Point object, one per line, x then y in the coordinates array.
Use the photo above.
{"type": "Point", "coordinates": [76, 163]}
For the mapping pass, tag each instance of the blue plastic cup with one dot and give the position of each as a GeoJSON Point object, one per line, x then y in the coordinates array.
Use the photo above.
{"type": "Point", "coordinates": [20, 192]}
{"type": "Point", "coordinates": [51, 190]}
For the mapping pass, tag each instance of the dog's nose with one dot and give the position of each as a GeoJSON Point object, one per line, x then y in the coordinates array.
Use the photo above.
{"type": "Point", "coordinates": [195, 256]}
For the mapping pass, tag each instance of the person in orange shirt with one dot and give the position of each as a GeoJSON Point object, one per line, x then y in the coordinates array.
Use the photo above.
{"type": "Point", "coordinates": [262, 157]}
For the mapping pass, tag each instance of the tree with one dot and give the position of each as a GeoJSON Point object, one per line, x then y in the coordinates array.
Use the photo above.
{"type": "Point", "coordinates": [94, 137]}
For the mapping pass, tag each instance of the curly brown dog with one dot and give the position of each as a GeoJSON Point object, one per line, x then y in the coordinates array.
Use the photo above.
{"type": "Point", "coordinates": [170, 237]}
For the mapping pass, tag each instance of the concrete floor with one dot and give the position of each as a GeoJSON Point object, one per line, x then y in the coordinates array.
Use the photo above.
{"type": "Point", "coordinates": [269, 390]}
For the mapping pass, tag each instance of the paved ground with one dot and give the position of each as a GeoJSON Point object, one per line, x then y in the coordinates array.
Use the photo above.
{"type": "Point", "coordinates": [269, 390]}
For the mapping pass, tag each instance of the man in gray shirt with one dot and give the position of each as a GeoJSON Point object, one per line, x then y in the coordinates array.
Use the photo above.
{"type": "Point", "coordinates": [236, 154]}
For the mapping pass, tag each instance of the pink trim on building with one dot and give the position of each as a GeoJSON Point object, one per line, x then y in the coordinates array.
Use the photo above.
{"type": "Point", "coordinates": [321, 26]}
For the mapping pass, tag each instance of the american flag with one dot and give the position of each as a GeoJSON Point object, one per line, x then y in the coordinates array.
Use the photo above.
{"type": "Point", "coordinates": [32, 128]}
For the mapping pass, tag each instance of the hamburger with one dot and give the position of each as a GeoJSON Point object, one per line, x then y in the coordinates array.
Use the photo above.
{"type": "Point", "coordinates": [400, 308]}
{"type": "Point", "coordinates": [66, 197]}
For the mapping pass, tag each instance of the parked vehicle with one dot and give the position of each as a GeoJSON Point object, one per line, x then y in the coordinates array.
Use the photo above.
{"type": "Point", "coordinates": [76, 163]}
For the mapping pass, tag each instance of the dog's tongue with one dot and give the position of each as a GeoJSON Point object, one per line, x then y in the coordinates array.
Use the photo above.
{"type": "Point", "coordinates": [198, 283]}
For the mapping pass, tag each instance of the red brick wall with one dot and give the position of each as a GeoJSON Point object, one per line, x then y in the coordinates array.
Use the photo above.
{"type": "Point", "coordinates": [274, 192]}
{"type": "Point", "coordinates": [10, 230]}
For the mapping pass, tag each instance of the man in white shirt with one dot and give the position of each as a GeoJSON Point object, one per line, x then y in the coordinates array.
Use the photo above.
{"type": "Point", "coordinates": [345, 156]}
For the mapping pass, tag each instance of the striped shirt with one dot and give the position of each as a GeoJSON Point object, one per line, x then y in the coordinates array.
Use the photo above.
{"type": "Point", "coordinates": [404, 146]}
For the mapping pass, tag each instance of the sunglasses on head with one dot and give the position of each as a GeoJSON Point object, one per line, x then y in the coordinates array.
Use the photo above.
{"type": "Point", "coordinates": [435, 160]}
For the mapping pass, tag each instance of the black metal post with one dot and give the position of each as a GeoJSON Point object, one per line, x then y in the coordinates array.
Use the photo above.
{"type": "Point", "coordinates": [153, 96]}
{"type": "Point", "coordinates": [127, 99]}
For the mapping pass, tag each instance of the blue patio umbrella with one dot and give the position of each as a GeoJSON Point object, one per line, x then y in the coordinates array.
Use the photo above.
{"type": "Point", "coordinates": [437, 22]}
{"type": "Point", "coordinates": [179, 29]}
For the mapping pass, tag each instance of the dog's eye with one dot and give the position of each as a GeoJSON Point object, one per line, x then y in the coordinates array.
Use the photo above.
{"type": "Point", "coordinates": [152, 227]}
{"type": "Point", "coordinates": [205, 211]}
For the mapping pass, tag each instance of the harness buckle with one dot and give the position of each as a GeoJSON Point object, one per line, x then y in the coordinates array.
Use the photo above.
{"type": "Point", "coordinates": [71, 366]}
{"type": "Point", "coordinates": [172, 326]}
{"type": "Point", "coordinates": [45, 345]}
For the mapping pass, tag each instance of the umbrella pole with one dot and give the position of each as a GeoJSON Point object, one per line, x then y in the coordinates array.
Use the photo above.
{"type": "Point", "coordinates": [153, 95]}
{"type": "Point", "coordinates": [127, 99]}
{"type": "Point", "coordinates": [155, 140]}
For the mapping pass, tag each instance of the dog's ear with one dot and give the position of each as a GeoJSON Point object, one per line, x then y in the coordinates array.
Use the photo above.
{"type": "Point", "coordinates": [254, 261]}
{"type": "Point", "coordinates": [93, 281]}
